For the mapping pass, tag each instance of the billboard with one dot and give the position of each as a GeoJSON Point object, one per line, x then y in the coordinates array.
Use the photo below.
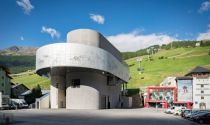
{"type": "Point", "coordinates": [162, 94]}
{"type": "Point", "coordinates": [184, 88]}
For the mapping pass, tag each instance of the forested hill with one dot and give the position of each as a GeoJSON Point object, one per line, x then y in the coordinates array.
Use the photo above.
{"type": "Point", "coordinates": [155, 48]}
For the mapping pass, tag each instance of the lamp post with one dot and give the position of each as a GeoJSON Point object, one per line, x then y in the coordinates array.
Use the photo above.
{"type": "Point", "coordinates": [139, 60]}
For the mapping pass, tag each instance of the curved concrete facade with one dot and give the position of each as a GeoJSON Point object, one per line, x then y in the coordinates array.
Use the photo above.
{"type": "Point", "coordinates": [78, 55]}
{"type": "Point", "coordinates": [87, 60]}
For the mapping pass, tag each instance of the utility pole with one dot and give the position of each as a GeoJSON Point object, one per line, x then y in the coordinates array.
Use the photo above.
{"type": "Point", "coordinates": [139, 60]}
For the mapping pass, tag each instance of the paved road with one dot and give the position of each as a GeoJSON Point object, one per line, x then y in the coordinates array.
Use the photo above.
{"type": "Point", "coordinates": [96, 117]}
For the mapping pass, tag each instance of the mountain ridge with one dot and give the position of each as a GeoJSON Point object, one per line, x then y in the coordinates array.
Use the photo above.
{"type": "Point", "coordinates": [19, 51]}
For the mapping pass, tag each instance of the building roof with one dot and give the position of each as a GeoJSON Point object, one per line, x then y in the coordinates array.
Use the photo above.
{"type": "Point", "coordinates": [198, 69]}
{"type": "Point", "coordinates": [5, 69]}
{"type": "Point", "coordinates": [18, 85]}
{"type": "Point", "coordinates": [184, 78]}
{"type": "Point", "coordinates": [26, 93]}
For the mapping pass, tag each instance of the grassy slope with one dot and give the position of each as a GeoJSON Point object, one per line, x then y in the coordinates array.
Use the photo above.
{"type": "Point", "coordinates": [31, 80]}
{"type": "Point", "coordinates": [179, 62]}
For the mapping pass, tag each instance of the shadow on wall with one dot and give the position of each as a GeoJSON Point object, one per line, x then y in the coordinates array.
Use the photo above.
{"type": "Point", "coordinates": [134, 99]}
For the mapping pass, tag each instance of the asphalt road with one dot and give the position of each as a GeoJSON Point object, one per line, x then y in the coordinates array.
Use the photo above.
{"type": "Point", "coordinates": [95, 117]}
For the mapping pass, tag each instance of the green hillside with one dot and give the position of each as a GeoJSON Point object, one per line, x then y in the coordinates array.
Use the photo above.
{"type": "Point", "coordinates": [172, 62]}
{"type": "Point", "coordinates": [18, 64]}
{"type": "Point", "coordinates": [30, 79]}
{"type": "Point", "coordinates": [175, 62]}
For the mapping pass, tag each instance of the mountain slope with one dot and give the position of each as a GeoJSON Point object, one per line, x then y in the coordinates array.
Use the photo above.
{"type": "Point", "coordinates": [18, 64]}
{"type": "Point", "coordinates": [18, 58]}
{"type": "Point", "coordinates": [19, 51]}
{"type": "Point", "coordinates": [173, 62]}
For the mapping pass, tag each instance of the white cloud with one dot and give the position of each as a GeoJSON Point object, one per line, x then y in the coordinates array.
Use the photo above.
{"type": "Point", "coordinates": [97, 18]}
{"type": "Point", "coordinates": [134, 41]}
{"type": "Point", "coordinates": [204, 36]}
{"type": "Point", "coordinates": [26, 5]}
{"type": "Point", "coordinates": [52, 32]}
{"type": "Point", "coordinates": [22, 38]}
{"type": "Point", "coordinates": [205, 6]}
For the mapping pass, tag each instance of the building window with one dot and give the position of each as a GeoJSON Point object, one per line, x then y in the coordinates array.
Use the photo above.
{"type": "Point", "coordinates": [202, 97]}
{"type": "Point", "coordinates": [56, 85]}
{"type": "Point", "coordinates": [2, 84]}
{"type": "Point", "coordinates": [2, 92]}
{"type": "Point", "coordinates": [202, 91]}
{"type": "Point", "coordinates": [2, 77]}
{"type": "Point", "coordinates": [76, 83]}
{"type": "Point", "coordinates": [202, 86]}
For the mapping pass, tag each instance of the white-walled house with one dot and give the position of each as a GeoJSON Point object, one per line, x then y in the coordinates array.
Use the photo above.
{"type": "Point", "coordinates": [201, 87]}
{"type": "Point", "coordinates": [87, 72]}
{"type": "Point", "coordinates": [201, 93]}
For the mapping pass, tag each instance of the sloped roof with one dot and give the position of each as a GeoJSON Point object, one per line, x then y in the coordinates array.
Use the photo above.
{"type": "Point", "coordinates": [184, 78]}
{"type": "Point", "coordinates": [5, 69]}
{"type": "Point", "coordinates": [198, 69]}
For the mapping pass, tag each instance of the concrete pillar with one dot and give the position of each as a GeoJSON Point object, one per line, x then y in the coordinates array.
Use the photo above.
{"type": "Point", "coordinates": [57, 88]}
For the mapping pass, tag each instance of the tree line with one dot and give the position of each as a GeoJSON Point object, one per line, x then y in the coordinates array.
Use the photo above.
{"type": "Point", "coordinates": [154, 49]}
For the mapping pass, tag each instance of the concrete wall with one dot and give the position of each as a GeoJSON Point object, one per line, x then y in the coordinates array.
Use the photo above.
{"type": "Point", "coordinates": [92, 38]}
{"type": "Point", "coordinates": [127, 102]}
{"type": "Point", "coordinates": [43, 102]}
{"type": "Point", "coordinates": [90, 94]}
{"type": "Point", "coordinates": [78, 55]}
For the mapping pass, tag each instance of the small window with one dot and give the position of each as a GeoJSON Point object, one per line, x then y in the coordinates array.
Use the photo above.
{"type": "Point", "coordinates": [202, 97]}
{"type": "Point", "coordinates": [2, 77]}
{"type": "Point", "coordinates": [56, 85]}
{"type": "Point", "coordinates": [202, 86]}
{"type": "Point", "coordinates": [76, 83]}
{"type": "Point", "coordinates": [202, 91]}
{"type": "Point", "coordinates": [2, 84]}
{"type": "Point", "coordinates": [2, 92]}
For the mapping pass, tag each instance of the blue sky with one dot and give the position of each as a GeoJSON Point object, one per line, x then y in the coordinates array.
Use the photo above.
{"type": "Point", "coordinates": [128, 24]}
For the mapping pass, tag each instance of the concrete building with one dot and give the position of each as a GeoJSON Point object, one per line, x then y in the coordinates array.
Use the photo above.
{"type": "Point", "coordinates": [5, 87]}
{"type": "Point", "coordinates": [201, 87]}
{"type": "Point", "coordinates": [17, 90]}
{"type": "Point", "coordinates": [87, 72]}
{"type": "Point", "coordinates": [44, 101]}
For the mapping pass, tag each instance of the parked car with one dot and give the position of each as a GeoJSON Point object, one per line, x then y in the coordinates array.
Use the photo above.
{"type": "Point", "coordinates": [193, 112]}
{"type": "Point", "coordinates": [170, 110]}
{"type": "Point", "coordinates": [178, 110]}
{"type": "Point", "coordinates": [202, 118]}
{"type": "Point", "coordinates": [23, 105]}
{"type": "Point", "coordinates": [19, 103]}
{"type": "Point", "coordinates": [185, 112]}
{"type": "Point", "coordinates": [196, 113]}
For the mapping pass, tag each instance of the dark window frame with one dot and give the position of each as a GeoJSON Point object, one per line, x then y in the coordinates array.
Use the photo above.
{"type": "Point", "coordinates": [76, 83]}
